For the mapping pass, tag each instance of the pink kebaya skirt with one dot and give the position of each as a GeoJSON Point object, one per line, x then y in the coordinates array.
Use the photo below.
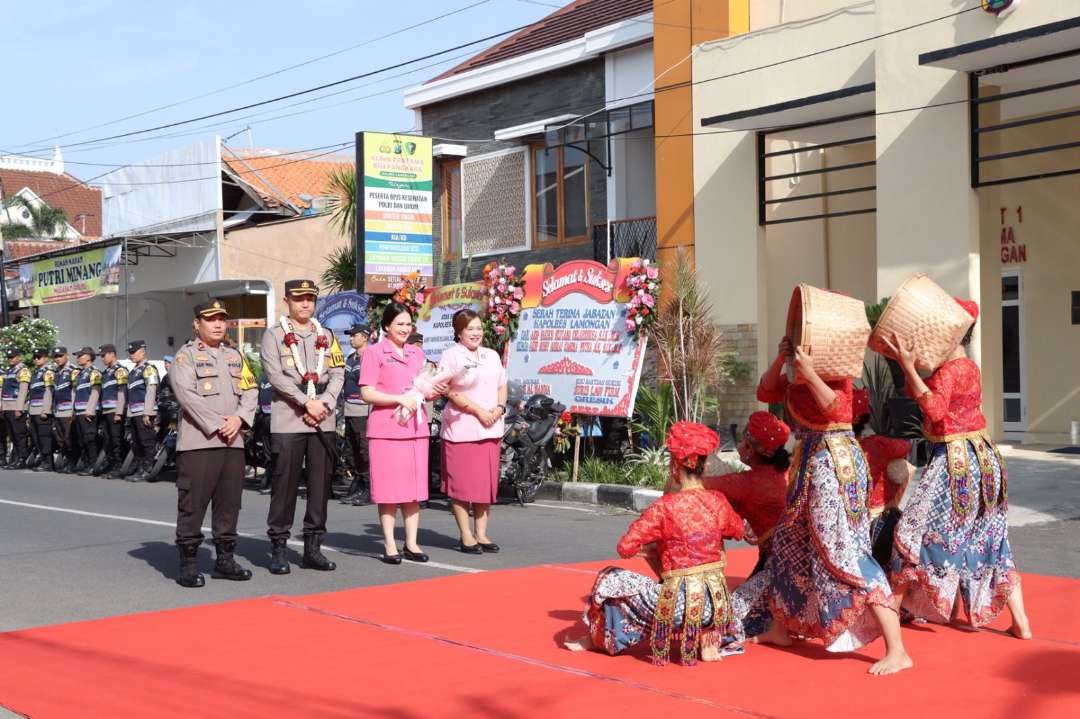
{"type": "Point", "coordinates": [470, 470]}
{"type": "Point", "coordinates": [399, 470]}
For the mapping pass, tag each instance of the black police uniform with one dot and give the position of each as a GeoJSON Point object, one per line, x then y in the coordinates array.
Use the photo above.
{"type": "Point", "coordinates": [63, 433]}
{"type": "Point", "coordinates": [142, 383]}
{"type": "Point", "coordinates": [262, 430]}
{"type": "Point", "coordinates": [87, 396]}
{"type": "Point", "coordinates": [15, 419]}
{"type": "Point", "coordinates": [356, 417]}
{"type": "Point", "coordinates": [113, 397]}
{"type": "Point", "coordinates": [42, 384]}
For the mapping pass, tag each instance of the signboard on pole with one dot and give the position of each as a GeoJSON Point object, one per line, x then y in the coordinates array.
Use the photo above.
{"type": "Point", "coordinates": [340, 311]}
{"type": "Point", "coordinates": [436, 318]}
{"type": "Point", "coordinates": [67, 278]}
{"type": "Point", "coordinates": [394, 185]}
{"type": "Point", "coordinates": [572, 343]}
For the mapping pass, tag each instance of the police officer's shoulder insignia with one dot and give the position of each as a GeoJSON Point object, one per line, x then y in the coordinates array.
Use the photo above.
{"type": "Point", "coordinates": [24, 374]}
{"type": "Point", "coordinates": [74, 375]}
{"type": "Point", "coordinates": [247, 377]}
{"type": "Point", "coordinates": [150, 374]}
{"type": "Point", "coordinates": [95, 376]}
{"type": "Point", "coordinates": [50, 378]}
{"type": "Point", "coordinates": [337, 357]}
{"type": "Point", "coordinates": [121, 375]}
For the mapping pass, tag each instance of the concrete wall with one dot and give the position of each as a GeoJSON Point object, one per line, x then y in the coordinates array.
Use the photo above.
{"type": "Point", "coordinates": [577, 89]}
{"type": "Point", "coordinates": [278, 251]}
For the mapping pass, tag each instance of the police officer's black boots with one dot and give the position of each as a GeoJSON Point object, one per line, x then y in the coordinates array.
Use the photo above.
{"type": "Point", "coordinates": [46, 464]}
{"type": "Point", "coordinates": [279, 556]}
{"type": "Point", "coordinates": [354, 487]}
{"type": "Point", "coordinates": [225, 567]}
{"type": "Point", "coordinates": [141, 473]}
{"type": "Point", "coordinates": [189, 566]}
{"type": "Point", "coordinates": [362, 496]}
{"type": "Point", "coordinates": [313, 556]}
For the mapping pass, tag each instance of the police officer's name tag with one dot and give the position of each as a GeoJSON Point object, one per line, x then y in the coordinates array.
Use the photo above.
{"type": "Point", "coordinates": [289, 362]}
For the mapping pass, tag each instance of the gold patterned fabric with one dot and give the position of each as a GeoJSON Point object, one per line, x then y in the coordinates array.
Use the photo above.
{"type": "Point", "coordinates": [696, 582]}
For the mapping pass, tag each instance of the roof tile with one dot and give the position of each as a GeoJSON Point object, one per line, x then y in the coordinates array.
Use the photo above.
{"type": "Point", "coordinates": [277, 176]}
{"type": "Point", "coordinates": [60, 191]}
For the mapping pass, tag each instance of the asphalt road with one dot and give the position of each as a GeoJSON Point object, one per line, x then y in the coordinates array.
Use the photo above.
{"type": "Point", "coordinates": [76, 548]}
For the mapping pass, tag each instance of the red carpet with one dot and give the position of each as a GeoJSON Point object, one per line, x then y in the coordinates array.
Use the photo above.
{"type": "Point", "coordinates": [487, 645]}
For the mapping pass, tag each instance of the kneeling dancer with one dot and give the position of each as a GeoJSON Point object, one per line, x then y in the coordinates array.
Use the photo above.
{"type": "Point", "coordinates": [217, 394]}
{"type": "Point", "coordinates": [691, 604]}
{"type": "Point", "coordinates": [821, 580]}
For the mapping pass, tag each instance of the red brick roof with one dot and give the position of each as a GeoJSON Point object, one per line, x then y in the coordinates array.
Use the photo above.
{"type": "Point", "coordinates": [569, 23]}
{"type": "Point", "coordinates": [18, 249]}
{"type": "Point", "coordinates": [61, 191]}
{"type": "Point", "coordinates": [275, 174]}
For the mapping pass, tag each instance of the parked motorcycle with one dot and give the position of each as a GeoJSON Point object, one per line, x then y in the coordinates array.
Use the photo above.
{"type": "Point", "coordinates": [525, 461]}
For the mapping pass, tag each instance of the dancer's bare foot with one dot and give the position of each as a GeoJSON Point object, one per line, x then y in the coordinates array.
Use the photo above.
{"type": "Point", "coordinates": [1020, 628]}
{"type": "Point", "coordinates": [581, 644]}
{"type": "Point", "coordinates": [711, 653]}
{"type": "Point", "coordinates": [777, 635]}
{"type": "Point", "coordinates": [891, 663]}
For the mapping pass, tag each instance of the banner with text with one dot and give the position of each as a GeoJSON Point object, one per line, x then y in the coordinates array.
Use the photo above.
{"type": "Point", "coordinates": [340, 311]}
{"type": "Point", "coordinates": [68, 278]}
{"type": "Point", "coordinates": [395, 196]}
{"type": "Point", "coordinates": [572, 342]}
{"type": "Point", "coordinates": [436, 318]}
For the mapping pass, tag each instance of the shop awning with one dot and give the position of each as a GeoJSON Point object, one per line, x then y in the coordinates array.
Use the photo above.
{"type": "Point", "coordinates": [1040, 41]}
{"type": "Point", "coordinates": [845, 102]}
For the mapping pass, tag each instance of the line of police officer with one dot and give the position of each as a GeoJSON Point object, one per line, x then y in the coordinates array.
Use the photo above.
{"type": "Point", "coordinates": [56, 408]}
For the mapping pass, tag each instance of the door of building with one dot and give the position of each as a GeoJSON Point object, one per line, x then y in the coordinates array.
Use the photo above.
{"type": "Point", "coordinates": [1014, 408]}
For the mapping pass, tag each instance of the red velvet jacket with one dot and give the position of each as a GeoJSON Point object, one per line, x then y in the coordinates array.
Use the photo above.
{"type": "Point", "coordinates": [689, 528]}
{"type": "Point", "coordinates": [803, 409]}
{"type": "Point", "coordinates": [758, 494]}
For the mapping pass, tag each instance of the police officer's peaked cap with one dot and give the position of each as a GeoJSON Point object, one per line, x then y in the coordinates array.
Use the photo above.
{"type": "Point", "coordinates": [86, 351]}
{"type": "Point", "coordinates": [13, 352]}
{"type": "Point", "coordinates": [359, 329]}
{"type": "Point", "coordinates": [59, 351]}
{"type": "Point", "coordinates": [136, 345]}
{"type": "Point", "coordinates": [105, 349]}
{"type": "Point", "coordinates": [299, 288]}
{"type": "Point", "coordinates": [211, 308]}
{"type": "Point", "coordinates": [41, 352]}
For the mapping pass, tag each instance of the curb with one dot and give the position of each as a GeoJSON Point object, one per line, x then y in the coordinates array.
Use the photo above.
{"type": "Point", "coordinates": [612, 495]}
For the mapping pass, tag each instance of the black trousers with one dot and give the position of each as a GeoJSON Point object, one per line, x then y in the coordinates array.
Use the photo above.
{"type": "Point", "coordinates": [4, 434]}
{"type": "Point", "coordinates": [19, 433]}
{"type": "Point", "coordinates": [115, 448]}
{"type": "Point", "coordinates": [208, 476]}
{"type": "Point", "coordinates": [291, 450]}
{"type": "Point", "coordinates": [86, 433]}
{"type": "Point", "coordinates": [43, 430]}
{"type": "Point", "coordinates": [143, 438]}
{"type": "Point", "coordinates": [63, 431]}
{"type": "Point", "coordinates": [356, 433]}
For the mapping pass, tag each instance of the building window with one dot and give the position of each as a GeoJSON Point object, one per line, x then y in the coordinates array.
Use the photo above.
{"type": "Point", "coordinates": [451, 210]}
{"type": "Point", "coordinates": [560, 195]}
{"type": "Point", "coordinates": [1076, 307]}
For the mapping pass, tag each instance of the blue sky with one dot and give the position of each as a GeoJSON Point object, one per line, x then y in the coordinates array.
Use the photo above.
{"type": "Point", "coordinates": [88, 62]}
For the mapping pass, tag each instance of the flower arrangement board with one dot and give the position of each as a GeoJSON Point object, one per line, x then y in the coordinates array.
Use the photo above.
{"type": "Point", "coordinates": [340, 311]}
{"type": "Point", "coordinates": [573, 341]}
{"type": "Point", "coordinates": [436, 316]}
{"type": "Point", "coordinates": [394, 216]}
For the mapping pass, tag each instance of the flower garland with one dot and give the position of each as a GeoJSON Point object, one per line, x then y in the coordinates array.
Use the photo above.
{"type": "Point", "coordinates": [643, 282]}
{"type": "Point", "coordinates": [565, 430]}
{"type": "Point", "coordinates": [504, 290]}
{"type": "Point", "coordinates": [322, 346]}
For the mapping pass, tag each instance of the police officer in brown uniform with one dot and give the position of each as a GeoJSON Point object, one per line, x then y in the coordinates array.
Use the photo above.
{"type": "Point", "coordinates": [305, 365]}
{"type": "Point", "coordinates": [216, 393]}
{"type": "Point", "coordinates": [13, 397]}
{"type": "Point", "coordinates": [42, 383]}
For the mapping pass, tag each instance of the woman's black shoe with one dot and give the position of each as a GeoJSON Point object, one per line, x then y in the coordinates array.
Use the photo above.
{"type": "Point", "coordinates": [414, 556]}
{"type": "Point", "coordinates": [489, 547]}
{"type": "Point", "coordinates": [469, 548]}
{"type": "Point", "coordinates": [391, 558]}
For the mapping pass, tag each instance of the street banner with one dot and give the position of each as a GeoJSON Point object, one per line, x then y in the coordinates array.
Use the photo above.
{"type": "Point", "coordinates": [394, 196]}
{"type": "Point", "coordinates": [436, 318]}
{"type": "Point", "coordinates": [340, 311]}
{"type": "Point", "coordinates": [67, 278]}
{"type": "Point", "coordinates": [572, 343]}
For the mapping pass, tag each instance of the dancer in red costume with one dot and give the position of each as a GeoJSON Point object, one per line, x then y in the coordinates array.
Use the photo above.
{"type": "Point", "coordinates": [759, 494]}
{"type": "Point", "coordinates": [952, 542]}
{"type": "Point", "coordinates": [690, 604]}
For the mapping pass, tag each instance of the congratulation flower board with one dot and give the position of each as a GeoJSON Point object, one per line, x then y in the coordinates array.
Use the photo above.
{"type": "Point", "coordinates": [436, 317]}
{"type": "Point", "coordinates": [573, 341]}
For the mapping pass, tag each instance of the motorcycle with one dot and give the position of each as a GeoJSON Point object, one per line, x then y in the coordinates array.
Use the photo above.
{"type": "Point", "coordinates": [168, 412]}
{"type": "Point", "coordinates": [525, 460]}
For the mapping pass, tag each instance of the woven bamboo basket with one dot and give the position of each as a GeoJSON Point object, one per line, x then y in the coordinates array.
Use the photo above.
{"type": "Point", "coordinates": [831, 328]}
{"type": "Point", "coordinates": [922, 313]}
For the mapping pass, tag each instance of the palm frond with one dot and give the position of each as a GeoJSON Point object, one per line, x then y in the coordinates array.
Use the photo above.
{"type": "Point", "coordinates": [340, 272]}
{"type": "Point", "coordinates": [341, 187]}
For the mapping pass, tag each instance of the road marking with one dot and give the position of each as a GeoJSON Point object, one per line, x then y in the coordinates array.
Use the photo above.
{"type": "Point", "coordinates": [160, 523]}
{"type": "Point", "coordinates": [561, 506]}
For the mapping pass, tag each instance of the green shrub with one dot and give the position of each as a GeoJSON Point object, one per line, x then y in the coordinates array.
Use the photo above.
{"type": "Point", "coordinates": [29, 334]}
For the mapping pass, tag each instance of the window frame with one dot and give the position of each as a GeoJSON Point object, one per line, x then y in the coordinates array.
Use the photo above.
{"type": "Point", "coordinates": [446, 169]}
{"type": "Point", "coordinates": [560, 198]}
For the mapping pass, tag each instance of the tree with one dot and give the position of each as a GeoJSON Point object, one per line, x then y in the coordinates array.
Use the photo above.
{"type": "Point", "coordinates": [44, 221]}
{"type": "Point", "coordinates": [28, 335]}
{"type": "Point", "coordinates": [342, 204]}
{"type": "Point", "coordinates": [340, 272]}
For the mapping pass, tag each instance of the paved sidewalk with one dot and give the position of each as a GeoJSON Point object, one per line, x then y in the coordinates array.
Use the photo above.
{"type": "Point", "coordinates": [1043, 487]}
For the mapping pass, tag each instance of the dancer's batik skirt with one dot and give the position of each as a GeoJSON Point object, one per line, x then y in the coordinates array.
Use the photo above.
{"type": "Point", "coordinates": [953, 537]}
{"type": "Point", "coordinates": [820, 580]}
{"type": "Point", "coordinates": [693, 608]}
